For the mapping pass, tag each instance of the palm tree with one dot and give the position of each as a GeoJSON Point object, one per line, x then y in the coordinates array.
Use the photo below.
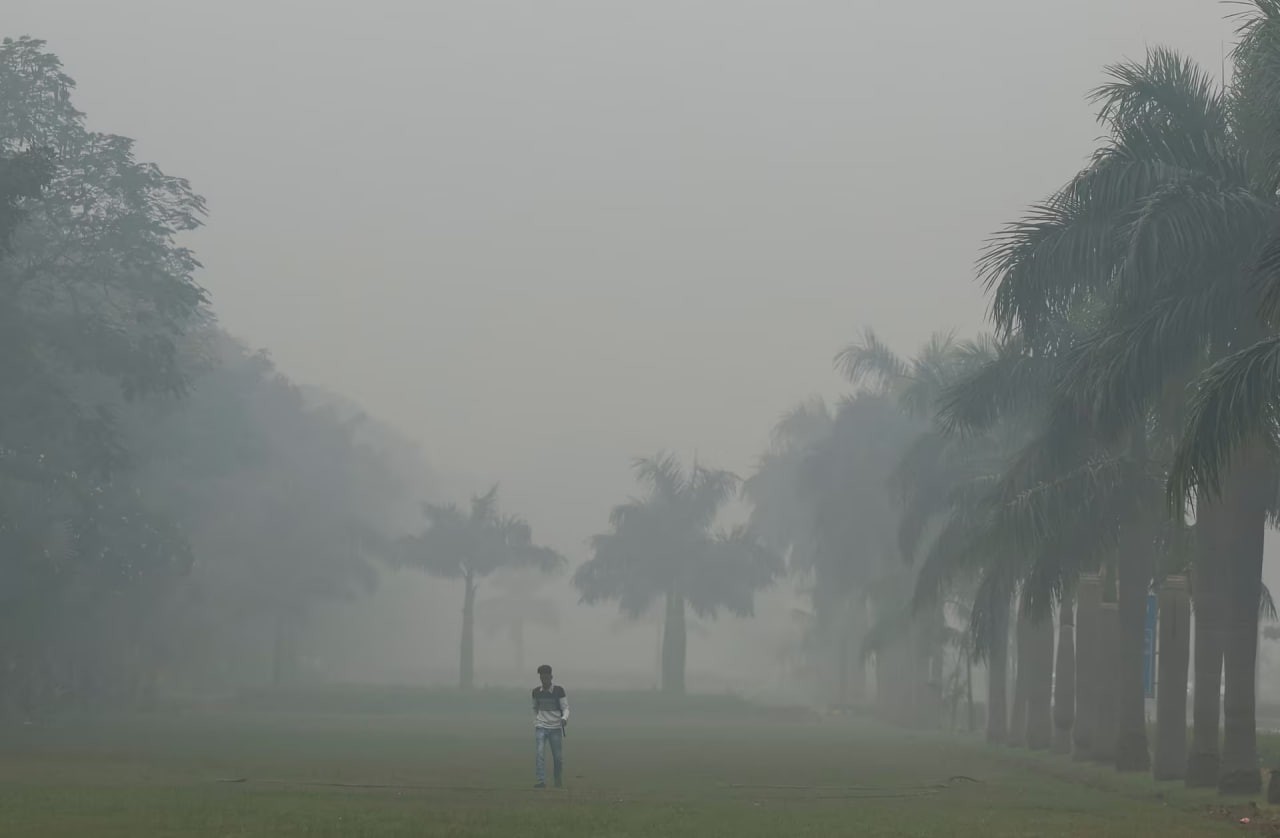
{"type": "Point", "coordinates": [1175, 648]}
{"type": "Point", "coordinates": [662, 546]}
{"type": "Point", "coordinates": [944, 480]}
{"type": "Point", "coordinates": [1088, 672]}
{"type": "Point", "coordinates": [1064, 677]}
{"type": "Point", "coordinates": [472, 546]}
{"type": "Point", "coordinates": [1166, 227]}
{"type": "Point", "coordinates": [787, 493]}
{"type": "Point", "coordinates": [656, 615]}
{"type": "Point", "coordinates": [1052, 511]}
{"type": "Point", "coordinates": [960, 684]}
{"type": "Point", "coordinates": [1040, 682]}
{"type": "Point", "coordinates": [1021, 682]}
{"type": "Point", "coordinates": [849, 551]}
{"type": "Point", "coordinates": [517, 605]}
{"type": "Point", "coordinates": [780, 514]}
{"type": "Point", "coordinates": [928, 473]}
{"type": "Point", "coordinates": [819, 497]}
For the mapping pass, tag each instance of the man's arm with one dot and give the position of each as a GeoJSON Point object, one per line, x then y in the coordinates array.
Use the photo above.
{"type": "Point", "coordinates": [564, 707]}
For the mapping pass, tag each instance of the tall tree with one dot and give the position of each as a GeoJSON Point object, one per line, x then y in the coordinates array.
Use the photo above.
{"type": "Point", "coordinates": [1166, 227]}
{"type": "Point", "coordinates": [663, 546]}
{"type": "Point", "coordinates": [1064, 680]}
{"type": "Point", "coordinates": [95, 294]}
{"type": "Point", "coordinates": [860, 583]}
{"type": "Point", "coordinates": [472, 545]}
{"type": "Point", "coordinates": [282, 495]}
{"type": "Point", "coordinates": [930, 470]}
{"type": "Point", "coordinates": [1049, 509]}
{"type": "Point", "coordinates": [146, 538]}
{"type": "Point", "coordinates": [785, 506]}
{"type": "Point", "coordinates": [954, 498]}
{"type": "Point", "coordinates": [517, 605]}
{"type": "Point", "coordinates": [1175, 648]}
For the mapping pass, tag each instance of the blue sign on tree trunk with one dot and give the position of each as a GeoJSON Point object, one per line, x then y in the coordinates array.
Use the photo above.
{"type": "Point", "coordinates": [1149, 649]}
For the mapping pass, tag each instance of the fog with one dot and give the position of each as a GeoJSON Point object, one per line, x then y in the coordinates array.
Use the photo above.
{"type": "Point", "coordinates": [543, 239]}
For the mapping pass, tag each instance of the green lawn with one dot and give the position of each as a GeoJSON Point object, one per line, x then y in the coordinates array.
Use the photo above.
{"type": "Point", "coordinates": [406, 763]}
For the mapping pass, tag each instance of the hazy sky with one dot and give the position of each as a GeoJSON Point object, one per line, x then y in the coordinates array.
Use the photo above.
{"type": "Point", "coordinates": [544, 237]}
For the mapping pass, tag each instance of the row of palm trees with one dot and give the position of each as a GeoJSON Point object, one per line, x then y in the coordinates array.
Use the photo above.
{"type": "Point", "coordinates": [1115, 435]}
{"type": "Point", "coordinates": [662, 548]}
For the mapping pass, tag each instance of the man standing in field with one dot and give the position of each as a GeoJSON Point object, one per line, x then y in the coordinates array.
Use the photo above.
{"type": "Point", "coordinates": [550, 718]}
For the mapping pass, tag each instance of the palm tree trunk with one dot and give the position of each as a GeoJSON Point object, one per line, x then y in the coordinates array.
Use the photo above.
{"type": "Point", "coordinates": [1204, 761]}
{"type": "Point", "coordinates": [861, 626]}
{"type": "Point", "coordinates": [1089, 600]}
{"type": "Point", "coordinates": [467, 655]}
{"type": "Point", "coordinates": [1021, 679]}
{"type": "Point", "coordinates": [1134, 567]}
{"type": "Point", "coordinates": [657, 654]}
{"type": "Point", "coordinates": [1249, 492]}
{"type": "Point", "coordinates": [953, 704]}
{"type": "Point", "coordinates": [1103, 741]}
{"type": "Point", "coordinates": [674, 645]}
{"type": "Point", "coordinates": [284, 651]}
{"type": "Point", "coordinates": [938, 687]}
{"type": "Point", "coordinates": [998, 679]}
{"type": "Point", "coordinates": [842, 649]}
{"type": "Point", "coordinates": [926, 673]}
{"type": "Point", "coordinates": [909, 673]}
{"type": "Point", "coordinates": [277, 650]}
{"type": "Point", "coordinates": [1064, 680]}
{"type": "Point", "coordinates": [890, 694]}
{"type": "Point", "coordinates": [1040, 683]}
{"type": "Point", "coordinates": [1171, 688]}
{"type": "Point", "coordinates": [971, 721]}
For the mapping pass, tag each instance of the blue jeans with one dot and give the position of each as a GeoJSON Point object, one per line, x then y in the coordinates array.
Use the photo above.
{"type": "Point", "coordinates": [542, 738]}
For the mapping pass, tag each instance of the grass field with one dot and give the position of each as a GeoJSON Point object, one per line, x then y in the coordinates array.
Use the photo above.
{"type": "Point", "coordinates": [409, 763]}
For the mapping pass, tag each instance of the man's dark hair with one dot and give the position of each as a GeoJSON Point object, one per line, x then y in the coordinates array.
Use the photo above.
{"type": "Point", "coordinates": [544, 670]}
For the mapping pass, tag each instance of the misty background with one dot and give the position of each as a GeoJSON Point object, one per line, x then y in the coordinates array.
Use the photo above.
{"type": "Point", "coordinates": [543, 239]}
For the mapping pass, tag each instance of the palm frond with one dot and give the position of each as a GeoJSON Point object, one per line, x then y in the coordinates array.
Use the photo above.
{"type": "Point", "coordinates": [1258, 37]}
{"type": "Point", "coordinates": [619, 516]}
{"type": "Point", "coordinates": [989, 618]}
{"type": "Point", "coordinates": [1169, 145]}
{"type": "Point", "coordinates": [1015, 383]}
{"type": "Point", "coordinates": [661, 545]}
{"type": "Point", "coordinates": [485, 507]}
{"type": "Point", "coordinates": [734, 566]}
{"type": "Point", "coordinates": [1061, 249]}
{"type": "Point", "coordinates": [1267, 606]}
{"type": "Point", "coordinates": [1188, 229]}
{"type": "Point", "coordinates": [662, 474]}
{"type": "Point", "coordinates": [1267, 283]}
{"type": "Point", "coordinates": [802, 425]}
{"type": "Point", "coordinates": [933, 478]}
{"type": "Point", "coordinates": [537, 557]}
{"type": "Point", "coordinates": [1166, 88]}
{"type": "Point", "coordinates": [1173, 115]}
{"type": "Point", "coordinates": [708, 490]}
{"type": "Point", "coordinates": [476, 544]}
{"type": "Point", "coordinates": [1115, 376]}
{"type": "Point", "coordinates": [933, 369]}
{"type": "Point", "coordinates": [1090, 497]}
{"type": "Point", "coordinates": [1255, 89]}
{"type": "Point", "coordinates": [619, 571]}
{"type": "Point", "coordinates": [1234, 401]}
{"type": "Point", "coordinates": [960, 550]}
{"type": "Point", "coordinates": [892, 627]}
{"type": "Point", "coordinates": [872, 359]}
